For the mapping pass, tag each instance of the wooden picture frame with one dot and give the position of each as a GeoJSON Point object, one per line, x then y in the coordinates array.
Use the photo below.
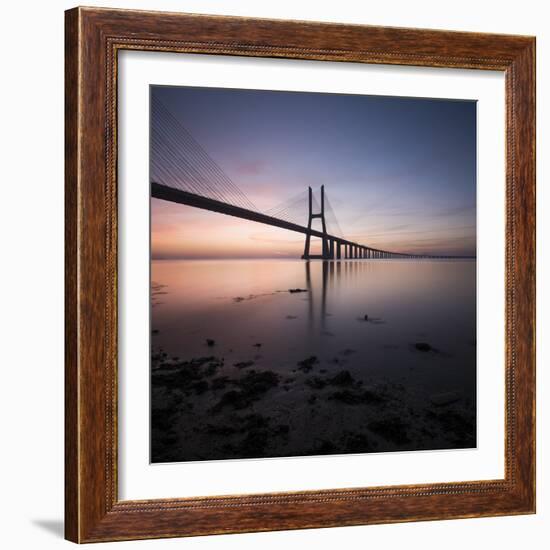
{"type": "Point", "coordinates": [93, 39]}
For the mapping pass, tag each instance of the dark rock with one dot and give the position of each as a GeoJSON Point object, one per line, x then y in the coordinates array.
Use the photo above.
{"type": "Point", "coordinates": [258, 345]}
{"type": "Point", "coordinates": [423, 346]}
{"type": "Point", "coordinates": [220, 429]}
{"type": "Point", "coordinates": [162, 419]}
{"type": "Point", "coordinates": [446, 398]}
{"type": "Point", "coordinates": [243, 364]}
{"type": "Point", "coordinates": [296, 290]}
{"type": "Point", "coordinates": [460, 426]}
{"type": "Point", "coordinates": [253, 444]}
{"type": "Point", "coordinates": [233, 398]}
{"type": "Point", "coordinates": [324, 448]}
{"type": "Point", "coordinates": [211, 368]}
{"type": "Point", "coordinates": [169, 440]}
{"type": "Point", "coordinates": [254, 422]}
{"type": "Point", "coordinates": [358, 443]}
{"type": "Point", "coordinates": [343, 378]}
{"type": "Point", "coordinates": [366, 317]}
{"type": "Point", "coordinates": [251, 387]}
{"type": "Point", "coordinates": [184, 374]}
{"type": "Point", "coordinates": [365, 397]}
{"type": "Point", "coordinates": [210, 343]}
{"type": "Point", "coordinates": [200, 387]}
{"type": "Point", "coordinates": [346, 397]}
{"type": "Point", "coordinates": [307, 364]}
{"type": "Point", "coordinates": [281, 429]}
{"type": "Point", "coordinates": [316, 382]}
{"type": "Point", "coordinates": [257, 383]}
{"type": "Point", "coordinates": [391, 428]}
{"type": "Point", "coordinates": [219, 383]}
{"type": "Point", "coordinates": [256, 428]}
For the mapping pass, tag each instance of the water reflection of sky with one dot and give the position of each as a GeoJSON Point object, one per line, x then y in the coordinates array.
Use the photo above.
{"type": "Point", "coordinates": [242, 303]}
{"type": "Point", "coordinates": [401, 172]}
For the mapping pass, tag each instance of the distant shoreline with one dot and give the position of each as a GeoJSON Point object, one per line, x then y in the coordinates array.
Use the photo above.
{"type": "Point", "coordinates": [293, 258]}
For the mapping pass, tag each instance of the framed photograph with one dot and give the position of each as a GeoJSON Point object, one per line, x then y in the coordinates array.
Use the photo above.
{"type": "Point", "coordinates": [300, 275]}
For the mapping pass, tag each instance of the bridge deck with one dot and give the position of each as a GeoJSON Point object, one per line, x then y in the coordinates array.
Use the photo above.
{"type": "Point", "coordinates": [171, 194]}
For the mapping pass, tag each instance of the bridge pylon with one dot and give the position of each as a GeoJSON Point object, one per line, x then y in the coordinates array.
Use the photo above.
{"type": "Point", "coordinates": [327, 249]}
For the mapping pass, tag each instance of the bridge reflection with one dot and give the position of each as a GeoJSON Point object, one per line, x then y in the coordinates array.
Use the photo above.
{"type": "Point", "coordinates": [333, 274]}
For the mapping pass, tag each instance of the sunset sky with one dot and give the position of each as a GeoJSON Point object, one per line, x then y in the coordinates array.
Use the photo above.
{"type": "Point", "coordinates": [400, 172]}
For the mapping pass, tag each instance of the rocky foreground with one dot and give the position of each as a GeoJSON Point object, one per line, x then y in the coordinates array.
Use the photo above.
{"type": "Point", "coordinates": [207, 409]}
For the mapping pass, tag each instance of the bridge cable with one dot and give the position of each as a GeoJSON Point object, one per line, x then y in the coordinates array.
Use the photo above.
{"type": "Point", "coordinates": [188, 157]}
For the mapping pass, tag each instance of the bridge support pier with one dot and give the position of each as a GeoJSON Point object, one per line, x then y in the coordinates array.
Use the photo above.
{"type": "Point", "coordinates": [339, 250]}
{"type": "Point", "coordinates": [327, 244]}
{"type": "Point", "coordinates": [325, 249]}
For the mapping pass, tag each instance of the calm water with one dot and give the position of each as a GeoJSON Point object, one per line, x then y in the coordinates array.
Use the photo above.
{"type": "Point", "coordinates": [246, 302]}
{"type": "Point", "coordinates": [246, 311]}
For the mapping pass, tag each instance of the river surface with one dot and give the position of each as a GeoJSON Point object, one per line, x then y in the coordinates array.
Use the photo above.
{"type": "Point", "coordinates": [404, 329]}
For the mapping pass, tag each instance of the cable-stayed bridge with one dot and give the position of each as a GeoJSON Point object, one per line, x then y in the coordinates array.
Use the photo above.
{"type": "Point", "coordinates": [181, 171]}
